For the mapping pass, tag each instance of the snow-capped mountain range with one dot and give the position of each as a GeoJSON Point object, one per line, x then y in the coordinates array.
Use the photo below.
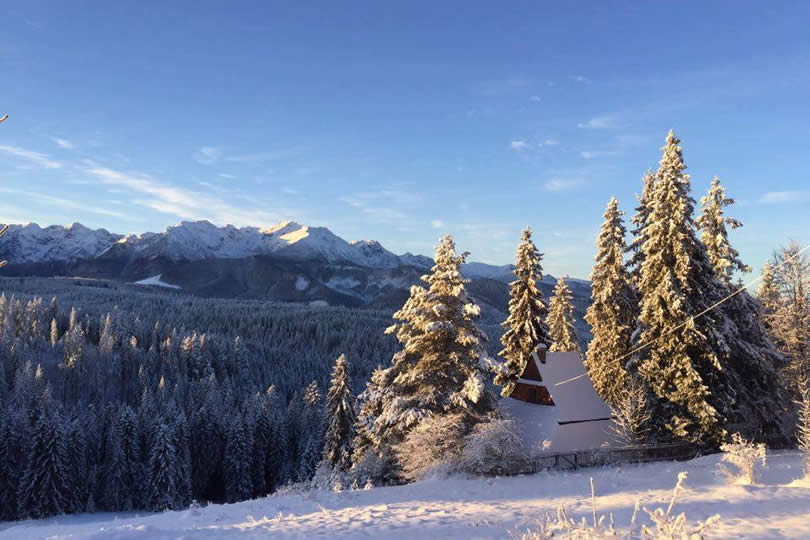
{"type": "Point", "coordinates": [193, 241]}
{"type": "Point", "coordinates": [287, 262]}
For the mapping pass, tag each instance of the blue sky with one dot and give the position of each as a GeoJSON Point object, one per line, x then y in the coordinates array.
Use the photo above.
{"type": "Point", "coordinates": [400, 121]}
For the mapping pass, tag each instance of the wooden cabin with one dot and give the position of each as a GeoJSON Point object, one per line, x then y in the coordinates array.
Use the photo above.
{"type": "Point", "coordinates": [530, 386]}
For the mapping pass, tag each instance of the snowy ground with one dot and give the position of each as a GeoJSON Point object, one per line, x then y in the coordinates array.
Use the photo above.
{"type": "Point", "coordinates": [471, 508]}
{"type": "Point", "coordinates": [155, 280]}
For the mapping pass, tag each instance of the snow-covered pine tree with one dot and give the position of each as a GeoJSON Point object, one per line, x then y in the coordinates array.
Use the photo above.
{"type": "Point", "coordinates": [671, 365]}
{"type": "Point", "coordinates": [611, 313]}
{"type": "Point", "coordinates": [443, 366]}
{"type": "Point", "coordinates": [525, 327]}
{"type": "Point", "coordinates": [639, 221]}
{"type": "Point", "coordinates": [77, 465]}
{"type": "Point", "coordinates": [43, 486]}
{"type": "Point", "coordinates": [712, 223]}
{"type": "Point", "coordinates": [243, 375]}
{"type": "Point", "coordinates": [371, 402]}
{"type": "Point", "coordinates": [238, 484]}
{"type": "Point", "coordinates": [561, 320]}
{"type": "Point", "coordinates": [340, 418]}
{"type": "Point", "coordinates": [312, 430]}
{"type": "Point", "coordinates": [8, 488]}
{"type": "Point", "coordinates": [162, 471]}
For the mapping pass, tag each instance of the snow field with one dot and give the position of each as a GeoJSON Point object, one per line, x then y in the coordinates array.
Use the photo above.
{"type": "Point", "coordinates": [472, 508]}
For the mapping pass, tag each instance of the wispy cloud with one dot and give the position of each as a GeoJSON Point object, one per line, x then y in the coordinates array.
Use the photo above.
{"type": "Point", "coordinates": [548, 142]}
{"type": "Point", "coordinates": [600, 122]}
{"type": "Point", "coordinates": [66, 204]}
{"type": "Point", "coordinates": [563, 184]}
{"type": "Point", "coordinates": [385, 204]}
{"type": "Point", "coordinates": [784, 197]}
{"type": "Point", "coordinates": [519, 145]}
{"type": "Point", "coordinates": [437, 224]}
{"type": "Point", "coordinates": [64, 143]}
{"type": "Point", "coordinates": [535, 99]}
{"type": "Point", "coordinates": [178, 201]}
{"type": "Point", "coordinates": [43, 160]}
{"type": "Point", "coordinates": [592, 154]}
{"type": "Point", "coordinates": [265, 156]}
{"type": "Point", "coordinates": [207, 155]}
{"type": "Point", "coordinates": [580, 79]}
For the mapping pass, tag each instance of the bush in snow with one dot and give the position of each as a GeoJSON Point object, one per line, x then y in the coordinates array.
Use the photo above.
{"type": "Point", "coordinates": [664, 525]}
{"type": "Point", "coordinates": [492, 448]}
{"type": "Point", "coordinates": [743, 455]}
{"type": "Point", "coordinates": [630, 416]}
{"type": "Point", "coordinates": [331, 478]}
{"type": "Point", "coordinates": [376, 468]}
{"type": "Point", "coordinates": [433, 446]}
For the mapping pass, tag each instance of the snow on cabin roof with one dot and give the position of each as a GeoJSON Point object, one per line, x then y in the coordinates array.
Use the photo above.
{"type": "Point", "coordinates": [572, 393]}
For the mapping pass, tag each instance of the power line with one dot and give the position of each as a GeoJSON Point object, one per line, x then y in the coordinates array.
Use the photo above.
{"type": "Point", "coordinates": [690, 319]}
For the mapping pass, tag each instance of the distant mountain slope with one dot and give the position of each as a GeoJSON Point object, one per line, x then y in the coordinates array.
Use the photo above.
{"type": "Point", "coordinates": [288, 262]}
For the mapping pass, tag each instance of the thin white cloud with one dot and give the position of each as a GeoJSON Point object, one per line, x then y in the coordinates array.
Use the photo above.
{"type": "Point", "coordinates": [600, 122]}
{"type": "Point", "coordinates": [265, 156]}
{"type": "Point", "coordinates": [535, 99]}
{"type": "Point", "coordinates": [180, 202]}
{"type": "Point", "coordinates": [592, 154]}
{"type": "Point", "coordinates": [437, 224]}
{"type": "Point", "coordinates": [518, 145]}
{"type": "Point", "coordinates": [783, 197]}
{"type": "Point", "coordinates": [549, 142]}
{"type": "Point", "coordinates": [43, 160]}
{"type": "Point", "coordinates": [384, 204]}
{"type": "Point", "coordinates": [65, 204]}
{"type": "Point", "coordinates": [226, 175]}
{"type": "Point", "coordinates": [562, 184]}
{"type": "Point", "coordinates": [207, 155]}
{"type": "Point", "coordinates": [64, 143]}
{"type": "Point", "coordinates": [580, 79]}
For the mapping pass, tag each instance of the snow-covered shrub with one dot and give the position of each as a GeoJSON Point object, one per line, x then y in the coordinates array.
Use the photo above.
{"type": "Point", "coordinates": [376, 469]}
{"type": "Point", "coordinates": [331, 478]}
{"type": "Point", "coordinates": [630, 417]}
{"type": "Point", "coordinates": [433, 447]}
{"type": "Point", "coordinates": [493, 447]}
{"type": "Point", "coordinates": [743, 455]}
{"type": "Point", "coordinates": [664, 525]}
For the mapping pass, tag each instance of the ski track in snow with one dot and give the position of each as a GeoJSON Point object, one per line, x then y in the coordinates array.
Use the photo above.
{"type": "Point", "coordinates": [471, 508]}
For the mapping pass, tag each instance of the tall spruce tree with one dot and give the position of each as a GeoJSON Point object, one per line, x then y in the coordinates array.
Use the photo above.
{"type": "Point", "coordinates": [43, 487]}
{"type": "Point", "coordinates": [672, 277]}
{"type": "Point", "coordinates": [713, 225]}
{"type": "Point", "coordinates": [561, 320]}
{"type": "Point", "coordinates": [639, 221]}
{"type": "Point", "coordinates": [340, 418]}
{"type": "Point", "coordinates": [312, 432]}
{"type": "Point", "coordinates": [525, 328]}
{"type": "Point", "coordinates": [442, 368]}
{"type": "Point", "coordinates": [611, 313]}
{"type": "Point", "coordinates": [238, 483]}
{"type": "Point", "coordinates": [162, 491]}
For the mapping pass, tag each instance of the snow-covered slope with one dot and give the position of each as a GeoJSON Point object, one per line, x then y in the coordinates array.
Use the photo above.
{"type": "Point", "coordinates": [471, 508]}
